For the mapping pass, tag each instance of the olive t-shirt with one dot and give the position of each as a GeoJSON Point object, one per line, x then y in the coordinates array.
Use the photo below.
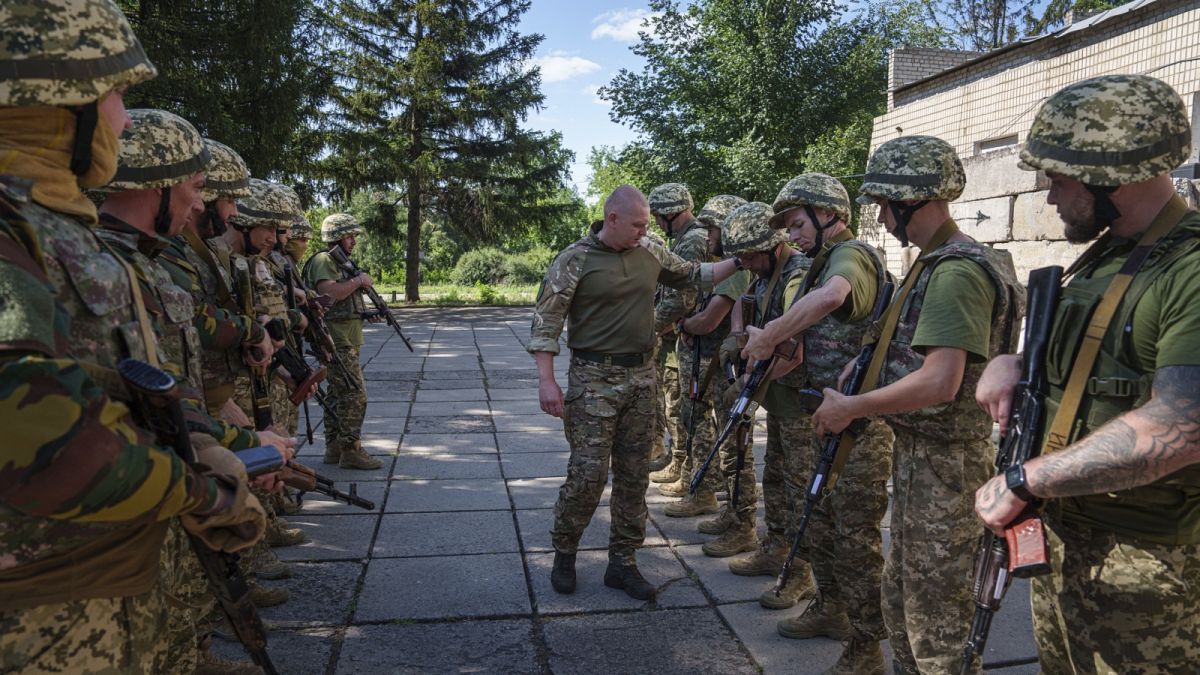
{"type": "Point", "coordinates": [735, 286]}
{"type": "Point", "coordinates": [324, 268]}
{"type": "Point", "coordinates": [950, 315]}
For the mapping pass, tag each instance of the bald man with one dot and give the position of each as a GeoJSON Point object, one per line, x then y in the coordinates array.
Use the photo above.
{"type": "Point", "coordinates": [602, 287]}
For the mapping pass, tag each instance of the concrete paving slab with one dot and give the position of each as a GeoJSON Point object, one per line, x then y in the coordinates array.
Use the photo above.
{"type": "Point", "coordinates": [670, 641]}
{"type": "Point", "coordinates": [547, 440]}
{"type": "Point", "coordinates": [387, 409]}
{"type": "Point", "coordinates": [331, 537]}
{"type": "Point", "coordinates": [455, 444]}
{"type": "Point", "coordinates": [527, 423]}
{"type": "Point", "coordinates": [320, 595]}
{"type": "Point", "coordinates": [529, 407]}
{"type": "Point", "coordinates": [524, 383]}
{"type": "Point", "coordinates": [451, 408]}
{"type": "Point", "coordinates": [425, 534]}
{"type": "Point", "coordinates": [535, 527]}
{"type": "Point", "coordinates": [447, 495]}
{"type": "Point", "coordinates": [380, 446]}
{"type": "Point", "coordinates": [677, 530]}
{"type": "Point", "coordinates": [446, 466]}
{"type": "Point", "coordinates": [343, 477]}
{"type": "Point", "coordinates": [456, 383]}
{"type": "Point", "coordinates": [317, 504]}
{"type": "Point", "coordinates": [534, 464]}
{"type": "Point", "coordinates": [303, 652]}
{"type": "Point", "coordinates": [390, 390]}
{"type": "Point", "coordinates": [755, 627]}
{"type": "Point", "coordinates": [495, 646]}
{"type": "Point", "coordinates": [439, 395]}
{"type": "Point", "coordinates": [442, 425]}
{"type": "Point", "coordinates": [513, 394]}
{"type": "Point", "coordinates": [433, 374]}
{"type": "Point", "coordinates": [384, 426]}
{"type": "Point", "coordinates": [380, 375]}
{"type": "Point", "coordinates": [464, 586]}
{"type": "Point", "coordinates": [724, 586]}
{"type": "Point", "coordinates": [541, 493]}
{"type": "Point", "coordinates": [658, 565]}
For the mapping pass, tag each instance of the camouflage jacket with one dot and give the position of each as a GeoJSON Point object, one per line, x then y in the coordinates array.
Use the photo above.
{"type": "Point", "coordinates": [276, 263]}
{"type": "Point", "coordinates": [797, 264]}
{"type": "Point", "coordinates": [82, 489]}
{"type": "Point", "coordinates": [961, 419]}
{"type": "Point", "coordinates": [691, 244]}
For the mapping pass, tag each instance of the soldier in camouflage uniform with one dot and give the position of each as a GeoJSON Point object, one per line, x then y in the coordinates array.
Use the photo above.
{"type": "Point", "coordinates": [1121, 484]}
{"type": "Point", "coordinates": [671, 208]}
{"type": "Point", "coordinates": [959, 305]}
{"type": "Point", "coordinates": [603, 287]}
{"type": "Point", "coordinates": [831, 315]}
{"type": "Point", "coordinates": [86, 494]}
{"type": "Point", "coordinates": [764, 250]}
{"type": "Point", "coordinates": [343, 444]}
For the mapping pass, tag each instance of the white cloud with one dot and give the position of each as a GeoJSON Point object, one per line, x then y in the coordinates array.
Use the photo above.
{"type": "Point", "coordinates": [593, 91]}
{"type": "Point", "coordinates": [558, 66]}
{"type": "Point", "coordinates": [621, 25]}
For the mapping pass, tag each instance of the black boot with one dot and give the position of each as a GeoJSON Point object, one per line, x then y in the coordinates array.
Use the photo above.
{"type": "Point", "coordinates": [562, 577]}
{"type": "Point", "coordinates": [627, 577]}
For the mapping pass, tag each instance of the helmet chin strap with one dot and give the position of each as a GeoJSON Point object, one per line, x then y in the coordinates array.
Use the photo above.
{"type": "Point", "coordinates": [1105, 211]}
{"type": "Point", "coordinates": [820, 227]}
{"type": "Point", "coordinates": [162, 220]}
{"type": "Point", "coordinates": [670, 221]}
{"type": "Point", "coordinates": [251, 249]}
{"type": "Point", "coordinates": [86, 119]}
{"type": "Point", "coordinates": [902, 215]}
{"type": "Point", "coordinates": [211, 224]}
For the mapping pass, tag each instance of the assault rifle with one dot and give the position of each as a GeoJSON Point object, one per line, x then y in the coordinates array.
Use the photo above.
{"type": "Point", "coordinates": [834, 453]}
{"type": "Point", "coordinates": [303, 375]}
{"type": "Point", "coordinates": [340, 257]}
{"type": "Point", "coordinates": [154, 402]}
{"type": "Point", "coordinates": [260, 392]}
{"type": "Point", "coordinates": [299, 476]}
{"type": "Point", "coordinates": [320, 340]}
{"type": "Point", "coordinates": [1021, 552]}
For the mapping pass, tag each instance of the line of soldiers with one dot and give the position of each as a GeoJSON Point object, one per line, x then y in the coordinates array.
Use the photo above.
{"type": "Point", "coordinates": [1119, 486]}
{"type": "Point", "coordinates": [125, 235]}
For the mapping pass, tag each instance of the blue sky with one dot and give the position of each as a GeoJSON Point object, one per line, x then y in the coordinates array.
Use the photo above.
{"type": "Point", "coordinates": [587, 42]}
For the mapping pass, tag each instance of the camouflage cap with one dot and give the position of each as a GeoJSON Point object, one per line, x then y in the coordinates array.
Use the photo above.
{"type": "Point", "coordinates": [669, 199]}
{"type": "Point", "coordinates": [226, 176]}
{"type": "Point", "coordinates": [748, 230]}
{"type": "Point", "coordinates": [913, 168]}
{"type": "Point", "coordinates": [66, 52]}
{"type": "Point", "coordinates": [338, 225]}
{"type": "Point", "coordinates": [716, 210]}
{"type": "Point", "coordinates": [159, 150]}
{"type": "Point", "coordinates": [811, 189]}
{"type": "Point", "coordinates": [1109, 131]}
{"type": "Point", "coordinates": [268, 205]}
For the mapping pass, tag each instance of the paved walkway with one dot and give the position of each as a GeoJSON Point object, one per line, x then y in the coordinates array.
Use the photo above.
{"type": "Point", "coordinates": [451, 572]}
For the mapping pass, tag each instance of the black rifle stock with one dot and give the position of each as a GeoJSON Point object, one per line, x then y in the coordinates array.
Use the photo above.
{"type": "Point", "coordinates": [825, 476]}
{"type": "Point", "coordinates": [153, 399]}
{"type": "Point", "coordinates": [340, 257]}
{"type": "Point", "coordinates": [1021, 552]}
{"type": "Point", "coordinates": [300, 476]}
{"type": "Point", "coordinates": [260, 392]}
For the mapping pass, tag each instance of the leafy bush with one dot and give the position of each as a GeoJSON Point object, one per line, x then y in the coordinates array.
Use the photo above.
{"type": "Point", "coordinates": [488, 295]}
{"type": "Point", "coordinates": [530, 266]}
{"type": "Point", "coordinates": [484, 265]}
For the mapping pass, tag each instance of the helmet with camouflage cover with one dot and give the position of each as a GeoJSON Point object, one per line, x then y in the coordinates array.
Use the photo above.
{"type": "Point", "coordinates": [717, 209]}
{"type": "Point", "coordinates": [302, 229]}
{"type": "Point", "coordinates": [268, 205]}
{"type": "Point", "coordinates": [161, 149]}
{"type": "Point", "coordinates": [1109, 131]}
{"type": "Point", "coordinates": [339, 225]}
{"type": "Point", "coordinates": [226, 176]}
{"type": "Point", "coordinates": [913, 168]}
{"type": "Point", "coordinates": [670, 199]}
{"type": "Point", "coordinates": [812, 191]}
{"type": "Point", "coordinates": [748, 230]}
{"type": "Point", "coordinates": [66, 52]}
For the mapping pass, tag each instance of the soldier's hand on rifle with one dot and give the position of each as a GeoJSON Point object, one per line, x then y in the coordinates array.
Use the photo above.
{"type": "Point", "coordinates": [301, 297]}
{"type": "Point", "coordinates": [757, 347]}
{"type": "Point", "coordinates": [376, 318]}
{"type": "Point", "coordinates": [237, 520]}
{"type": "Point", "coordinates": [550, 396]}
{"type": "Point", "coordinates": [846, 370]}
{"type": "Point", "coordinates": [996, 505]}
{"type": "Point", "coordinates": [320, 305]}
{"type": "Point", "coordinates": [835, 414]}
{"type": "Point", "coordinates": [286, 445]}
{"type": "Point", "coordinates": [364, 280]}
{"type": "Point", "coordinates": [995, 391]}
{"type": "Point", "coordinates": [259, 355]}
{"type": "Point", "coordinates": [231, 413]}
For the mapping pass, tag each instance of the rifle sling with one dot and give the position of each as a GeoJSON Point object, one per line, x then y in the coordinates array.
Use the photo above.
{"type": "Point", "coordinates": [224, 296]}
{"type": "Point", "coordinates": [1059, 435]}
{"type": "Point", "coordinates": [149, 341]}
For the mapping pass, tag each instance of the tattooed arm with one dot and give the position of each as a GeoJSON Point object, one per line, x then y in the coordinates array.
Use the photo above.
{"type": "Point", "coordinates": [1134, 449]}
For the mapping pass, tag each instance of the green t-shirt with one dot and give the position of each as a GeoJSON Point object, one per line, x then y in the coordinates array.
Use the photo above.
{"type": "Point", "coordinates": [856, 266]}
{"type": "Point", "coordinates": [950, 315]}
{"type": "Point", "coordinates": [323, 268]}
{"type": "Point", "coordinates": [735, 286]}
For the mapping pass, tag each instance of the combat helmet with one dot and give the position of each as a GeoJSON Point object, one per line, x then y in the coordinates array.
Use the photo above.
{"type": "Point", "coordinates": [302, 229]}
{"type": "Point", "coordinates": [717, 209]}
{"type": "Point", "coordinates": [812, 191]}
{"type": "Point", "coordinates": [267, 205]}
{"type": "Point", "coordinates": [917, 169]}
{"type": "Point", "coordinates": [227, 176]}
{"type": "Point", "coordinates": [338, 225]}
{"type": "Point", "coordinates": [669, 200]}
{"type": "Point", "coordinates": [748, 230]}
{"type": "Point", "coordinates": [68, 53]}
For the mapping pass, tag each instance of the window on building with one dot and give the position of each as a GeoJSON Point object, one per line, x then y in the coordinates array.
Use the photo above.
{"type": "Point", "coordinates": [994, 144]}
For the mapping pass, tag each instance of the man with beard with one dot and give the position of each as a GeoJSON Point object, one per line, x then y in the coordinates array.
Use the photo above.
{"type": "Point", "coordinates": [1118, 468]}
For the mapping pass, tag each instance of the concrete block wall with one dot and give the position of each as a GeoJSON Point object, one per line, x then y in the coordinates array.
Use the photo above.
{"type": "Point", "coordinates": [908, 65]}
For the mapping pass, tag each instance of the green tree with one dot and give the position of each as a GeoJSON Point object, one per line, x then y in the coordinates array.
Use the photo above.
{"type": "Point", "coordinates": [429, 98]}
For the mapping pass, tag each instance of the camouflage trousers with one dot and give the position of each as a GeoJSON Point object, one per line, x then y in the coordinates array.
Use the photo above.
{"type": "Point", "coordinates": [927, 578]}
{"type": "Point", "coordinates": [668, 410]}
{"type": "Point", "coordinates": [697, 423]}
{"type": "Point", "coordinates": [282, 411]}
{"type": "Point", "coordinates": [348, 402]}
{"type": "Point", "coordinates": [608, 418]}
{"type": "Point", "coordinates": [102, 635]}
{"type": "Point", "coordinates": [843, 541]}
{"type": "Point", "coordinates": [188, 599]}
{"type": "Point", "coordinates": [787, 464]}
{"type": "Point", "coordinates": [1113, 604]}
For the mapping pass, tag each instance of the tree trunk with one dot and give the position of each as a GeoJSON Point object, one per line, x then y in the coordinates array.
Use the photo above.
{"type": "Point", "coordinates": [412, 258]}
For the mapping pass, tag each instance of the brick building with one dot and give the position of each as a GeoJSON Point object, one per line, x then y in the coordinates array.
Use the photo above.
{"type": "Point", "coordinates": [983, 105]}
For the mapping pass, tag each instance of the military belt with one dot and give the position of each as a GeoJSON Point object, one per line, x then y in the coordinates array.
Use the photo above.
{"type": "Point", "coordinates": [626, 360]}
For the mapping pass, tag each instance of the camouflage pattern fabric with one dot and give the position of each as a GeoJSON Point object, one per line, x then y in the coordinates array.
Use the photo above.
{"type": "Point", "coordinates": [316, 270]}
{"type": "Point", "coordinates": [337, 226]}
{"type": "Point", "coordinates": [669, 199]}
{"type": "Point", "coordinates": [747, 230]}
{"type": "Point", "coordinates": [226, 176]}
{"type": "Point", "coordinates": [90, 44]}
{"type": "Point", "coordinates": [913, 168]}
{"type": "Point", "coordinates": [669, 409]}
{"type": "Point", "coordinates": [1189, 190]}
{"type": "Point", "coordinates": [717, 209]}
{"type": "Point", "coordinates": [691, 244]}
{"type": "Point", "coordinates": [1110, 130]}
{"type": "Point", "coordinates": [268, 205]}
{"type": "Point", "coordinates": [189, 602]}
{"type": "Point", "coordinates": [607, 420]}
{"type": "Point", "coordinates": [747, 508]}
{"type": "Point", "coordinates": [160, 150]}
{"type": "Point", "coordinates": [844, 541]}
{"type": "Point", "coordinates": [705, 432]}
{"type": "Point", "coordinates": [927, 578]}
{"type": "Point", "coordinates": [787, 465]}
{"type": "Point", "coordinates": [350, 403]}
{"type": "Point", "coordinates": [1114, 604]}
{"type": "Point", "coordinates": [811, 189]}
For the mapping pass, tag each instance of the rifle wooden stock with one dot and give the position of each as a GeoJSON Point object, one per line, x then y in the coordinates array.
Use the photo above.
{"type": "Point", "coordinates": [306, 479]}
{"type": "Point", "coordinates": [260, 392]}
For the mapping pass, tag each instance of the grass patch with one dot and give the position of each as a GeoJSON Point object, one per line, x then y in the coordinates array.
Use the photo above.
{"type": "Point", "coordinates": [457, 294]}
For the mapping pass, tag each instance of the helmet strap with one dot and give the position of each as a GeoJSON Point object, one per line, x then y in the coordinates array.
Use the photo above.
{"type": "Point", "coordinates": [162, 220]}
{"type": "Point", "coordinates": [211, 224]}
{"type": "Point", "coordinates": [670, 223]}
{"type": "Point", "coordinates": [1105, 211]}
{"type": "Point", "coordinates": [820, 227]}
{"type": "Point", "coordinates": [903, 215]}
{"type": "Point", "coordinates": [86, 118]}
{"type": "Point", "coordinates": [251, 249]}
{"type": "Point", "coordinates": [774, 260]}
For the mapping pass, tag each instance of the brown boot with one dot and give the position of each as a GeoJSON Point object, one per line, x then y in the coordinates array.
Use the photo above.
{"type": "Point", "coordinates": [692, 505]}
{"type": "Point", "coordinates": [767, 561]}
{"type": "Point", "coordinates": [820, 619]}
{"type": "Point", "coordinates": [669, 473]}
{"type": "Point", "coordinates": [211, 664]}
{"type": "Point", "coordinates": [263, 596]}
{"type": "Point", "coordinates": [733, 541]}
{"type": "Point", "coordinates": [279, 534]}
{"type": "Point", "coordinates": [357, 458]}
{"type": "Point", "coordinates": [273, 571]}
{"type": "Point", "coordinates": [859, 657]}
{"type": "Point", "coordinates": [799, 586]}
{"type": "Point", "coordinates": [725, 519]}
{"type": "Point", "coordinates": [677, 489]}
{"type": "Point", "coordinates": [288, 504]}
{"type": "Point", "coordinates": [333, 454]}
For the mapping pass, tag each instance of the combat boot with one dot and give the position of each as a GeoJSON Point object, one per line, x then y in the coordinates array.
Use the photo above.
{"type": "Point", "coordinates": [669, 473]}
{"type": "Point", "coordinates": [799, 586]}
{"type": "Point", "coordinates": [263, 596]}
{"type": "Point", "coordinates": [859, 657]}
{"type": "Point", "coordinates": [210, 664]}
{"type": "Point", "coordinates": [659, 457]}
{"type": "Point", "coordinates": [696, 504]}
{"type": "Point", "coordinates": [677, 489]}
{"type": "Point", "coordinates": [562, 577]}
{"type": "Point", "coordinates": [767, 561]}
{"type": "Point", "coordinates": [725, 519]}
{"type": "Point", "coordinates": [735, 540]}
{"type": "Point", "coordinates": [821, 619]}
{"type": "Point", "coordinates": [333, 454]}
{"type": "Point", "coordinates": [274, 570]}
{"type": "Point", "coordinates": [357, 458]}
{"type": "Point", "coordinates": [287, 503]}
{"type": "Point", "coordinates": [627, 577]}
{"type": "Point", "coordinates": [279, 534]}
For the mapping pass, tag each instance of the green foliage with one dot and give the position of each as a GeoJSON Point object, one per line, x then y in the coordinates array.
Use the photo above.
{"type": "Point", "coordinates": [488, 295]}
{"type": "Point", "coordinates": [481, 266]}
{"type": "Point", "coordinates": [529, 266]}
{"type": "Point", "coordinates": [983, 25]}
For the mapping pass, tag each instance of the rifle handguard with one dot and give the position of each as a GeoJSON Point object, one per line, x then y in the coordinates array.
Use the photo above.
{"type": "Point", "coordinates": [315, 377]}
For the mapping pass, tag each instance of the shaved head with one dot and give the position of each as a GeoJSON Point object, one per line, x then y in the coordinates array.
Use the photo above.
{"type": "Point", "coordinates": [625, 200]}
{"type": "Point", "coordinates": [626, 214]}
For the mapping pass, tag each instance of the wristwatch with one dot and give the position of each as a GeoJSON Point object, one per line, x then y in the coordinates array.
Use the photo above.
{"type": "Point", "coordinates": [1014, 478]}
